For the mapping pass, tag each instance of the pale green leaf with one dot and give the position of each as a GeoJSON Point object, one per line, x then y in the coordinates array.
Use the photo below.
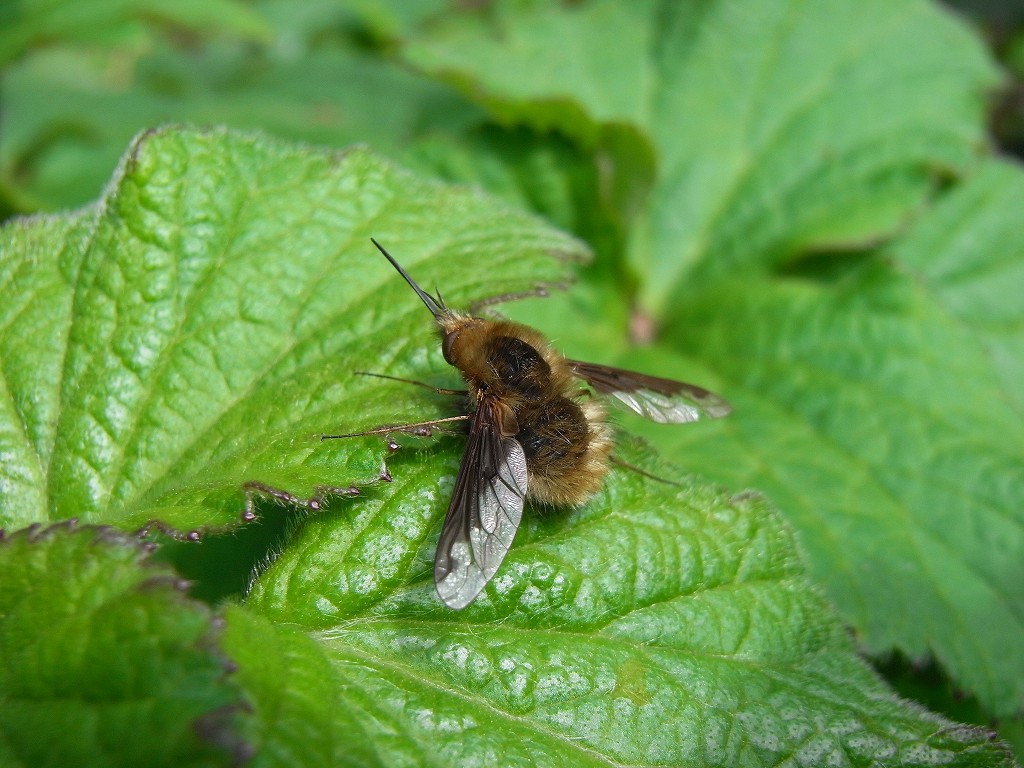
{"type": "Point", "coordinates": [883, 414]}
{"type": "Point", "coordinates": [207, 319]}
{"type": "Point", "coordinates": [756, 114]}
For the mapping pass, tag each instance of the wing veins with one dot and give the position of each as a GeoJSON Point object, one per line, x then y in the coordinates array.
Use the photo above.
{"type": "Point", "coordinates": [490, 487]}
{"type": "Point", "coordinates": [654, 398]}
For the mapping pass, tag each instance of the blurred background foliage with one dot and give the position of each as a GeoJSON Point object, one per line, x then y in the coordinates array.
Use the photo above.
{"type": "Point", "coordinates": [78, 80]}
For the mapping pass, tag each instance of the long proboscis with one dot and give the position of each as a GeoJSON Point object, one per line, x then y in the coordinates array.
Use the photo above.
{"type": "Point", "coordinates": [436, 307]}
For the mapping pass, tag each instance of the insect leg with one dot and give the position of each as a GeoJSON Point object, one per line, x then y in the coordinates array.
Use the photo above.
{"type": "Point", "coordinates": [439, 390]}
{"type": "Point", "coordinates": [619, 462]}
{"type": "Point", "coordinates": [410, 428]}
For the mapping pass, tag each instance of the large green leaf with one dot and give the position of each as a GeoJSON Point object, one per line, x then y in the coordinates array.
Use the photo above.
{"type": "Point", "coordinates": [106, 662]}
{"type": "Point", "coordinates": [899, 450]}
{"type": "Point", "coordinates": [659, 625]}
{"type": "Point", "coordinates": [202, 325]}
{"type": "Point", "coordinates": [777, 128]}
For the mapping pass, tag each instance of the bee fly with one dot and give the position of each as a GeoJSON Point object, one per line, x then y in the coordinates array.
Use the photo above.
{"type": "Point", "coordinates": [535, 431]}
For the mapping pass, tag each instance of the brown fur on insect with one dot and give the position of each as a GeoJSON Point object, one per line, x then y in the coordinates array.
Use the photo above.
{"type": "Point", "coordinates": [536, 431]}
{"type": "Point", "coordinates": [561, 428]}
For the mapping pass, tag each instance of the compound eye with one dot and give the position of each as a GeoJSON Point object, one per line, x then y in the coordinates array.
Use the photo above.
{"type": "Point", "coordinates": [446, 346]}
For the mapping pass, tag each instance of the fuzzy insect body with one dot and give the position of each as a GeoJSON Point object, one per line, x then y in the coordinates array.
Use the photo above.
{"type": "Point", "coordinates": [537, 431]}
{"type": "Point", "coordinates": [513, 372]}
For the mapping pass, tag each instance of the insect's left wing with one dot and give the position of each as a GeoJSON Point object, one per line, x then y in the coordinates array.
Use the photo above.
{"type": "Point", "coordinates": [485, 510]}
{"type": "Point", "coordinates": [664, 401]}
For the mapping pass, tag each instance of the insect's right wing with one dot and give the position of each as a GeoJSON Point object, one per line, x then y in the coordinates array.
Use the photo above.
{"type": "Point", "coordinates": [485, 510]}
{"type": "Point", "coordinates": [664, 401]}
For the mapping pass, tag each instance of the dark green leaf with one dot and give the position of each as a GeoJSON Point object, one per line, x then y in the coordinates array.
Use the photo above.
{"type": "Point", "coordinates": [105, 661]}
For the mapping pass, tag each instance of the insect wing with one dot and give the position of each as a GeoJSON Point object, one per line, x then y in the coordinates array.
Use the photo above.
{"type": "Point", "coordinates": [485, 510]}
{"type": "Point", "coordinates": [664, 401]}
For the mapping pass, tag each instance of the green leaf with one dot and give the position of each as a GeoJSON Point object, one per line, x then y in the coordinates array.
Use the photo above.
{"type": "Point", "coordinates": [105, 661]}
{"type": "Point", "coordinates": [584, 54]}
{"type": "Point", "coordinates": [30, 23]}
{"type": "Point", "coordinates": [755, 115]}
{"type": "Point", "coordinates": [309, 708]}
{"type": "Point", "coordinates": [880, 410]}
{"type": "Point", "coordinates": [657, 625]}
{"type": "Point", "coordinates": [206, 320]}
{"type": "Point", "coordinates": [969, 261]}
{"type": "Point", "coordinates": [40, 260]}
{"type": "Point", "coordinates": [212, 309]}
{"type": "Point", "coordinates": [545, 174]}
{"type": "Point", "coordinates": [898, 450]}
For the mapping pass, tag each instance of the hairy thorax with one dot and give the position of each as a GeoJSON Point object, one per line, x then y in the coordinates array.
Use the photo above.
{"type": "Point", "coordinates": [561, 429]}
